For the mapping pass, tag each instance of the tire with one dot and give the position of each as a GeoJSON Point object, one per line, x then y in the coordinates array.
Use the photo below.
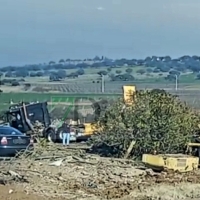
{"type": "Point", "coordinates": [51, 136]}
{"type": "Point", "coordinates": [60, 134]}
{"type": "Point", "coordinates": [83, 138]}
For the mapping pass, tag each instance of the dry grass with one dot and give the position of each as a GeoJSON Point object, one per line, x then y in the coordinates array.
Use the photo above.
{"type": "Point", "coordinates": [15, 89]}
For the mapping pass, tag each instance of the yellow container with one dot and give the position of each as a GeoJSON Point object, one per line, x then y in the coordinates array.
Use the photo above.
{"type": "Point", "coordinates": [176, 162]}
{"type": "Point", "coordinates": [129, 92]}
{"type": "Point", "coordinates": [89, 128]}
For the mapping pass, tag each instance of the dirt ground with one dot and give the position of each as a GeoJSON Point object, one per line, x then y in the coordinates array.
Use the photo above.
{"type": "Point", "coordinates": [58, 173]}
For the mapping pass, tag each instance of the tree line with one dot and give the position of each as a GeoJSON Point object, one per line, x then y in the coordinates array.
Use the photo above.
{"type": "Point", "coordinates": [57, 70]}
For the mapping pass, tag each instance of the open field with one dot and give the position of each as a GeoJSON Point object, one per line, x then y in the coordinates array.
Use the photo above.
{"type": "Point", "coordinates": [84, 87]}
{"type": "Point", "coordinates": [87, 87]}
{"type": "Point", "coordinates": [46, 91]}
{"type": "Point", "coordinates": [6, 97]}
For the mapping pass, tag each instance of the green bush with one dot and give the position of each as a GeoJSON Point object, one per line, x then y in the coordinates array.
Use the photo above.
{"type": "Point", "coordinates": [156, 121]}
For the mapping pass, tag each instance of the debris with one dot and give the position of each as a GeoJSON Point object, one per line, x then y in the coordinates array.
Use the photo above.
{"type": "Point", "coordinates": [56, 163]}
{"type": "Point", "coordinates": [85, 176]}
{"type": "Point", "coordinates": [12, 173]}
{"type": "Point", "coordinates": [10, 191]}
{"type": "Point", "coordinates": [129, 149]}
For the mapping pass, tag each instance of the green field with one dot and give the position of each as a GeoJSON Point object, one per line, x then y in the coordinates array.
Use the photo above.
{"type": "Point", "coordinates": [83, 87]}
{"type": "Point", "coordinates": [6, 97]}
{"type": "Point", "coordinates": [62, 97]}
{"type": "Point", "coordinates": [189, 95]}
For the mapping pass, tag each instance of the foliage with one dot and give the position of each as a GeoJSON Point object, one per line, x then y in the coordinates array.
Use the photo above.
{"type": "Point", "coordinates": [102, 72]}
{"type": "Point", "coordinates": [109, 69]}
{"type": "Point", "coordinates": [118, 71]}
{"type": "Point", "coordinates": [36, 74]}
{"type": "Point", "coordinates": [156, 121]}
{"type": "Point", "coordinates": [156, 70]}
{"type": "Point", "coordinates": [80, 71]}
{"type": "Point", "coordinates": [129, 70]}
{"type": "Point", "coordinates": [122, 77]}
{"type": "Point", "coordinates": [153, 64]}
{"type": "Point", "coordinates": [141, 71]}
{"type": "Point", "coordinates": [57, 76]}
{"type": "Point", "coordinates": [15, 83]}
{"type": "Point", "coordinates": [198, 76]}
{"type": "Point", "coordinates": [174, 72]}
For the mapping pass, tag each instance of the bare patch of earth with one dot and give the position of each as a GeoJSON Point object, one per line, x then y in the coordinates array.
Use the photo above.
{"type": "Point", "coordinates": [54, 172]}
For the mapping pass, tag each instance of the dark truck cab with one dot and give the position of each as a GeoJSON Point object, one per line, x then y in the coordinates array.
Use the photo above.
{"type": "Point", "coordinates": [33, 118]}
{"type": "Point", "coordinates": [24, 117]}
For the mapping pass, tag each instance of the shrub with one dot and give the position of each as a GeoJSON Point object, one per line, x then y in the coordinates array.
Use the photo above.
{"type": "Point", "coordinates": [156, 121]}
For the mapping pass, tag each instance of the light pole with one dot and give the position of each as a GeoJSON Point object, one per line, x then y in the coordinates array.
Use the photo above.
{"type": "Point", "coordinates": [102, 83]}
{"type": "Point", "coordinates": [0, 81]}
{"type": "Point", "coordinates": [176, 82]}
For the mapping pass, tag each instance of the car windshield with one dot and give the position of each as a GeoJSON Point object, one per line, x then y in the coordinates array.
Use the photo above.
{"type": "Point", "coordinates": [9, 131]}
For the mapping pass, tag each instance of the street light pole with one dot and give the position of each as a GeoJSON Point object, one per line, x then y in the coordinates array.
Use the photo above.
{"type": "Point", "coordinates": [102, 83]}
{"type": "Point", "coordinates": [176, 82]}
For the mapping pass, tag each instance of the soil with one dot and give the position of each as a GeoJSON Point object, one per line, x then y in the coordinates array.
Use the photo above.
{"type": "Point", "coordinates": [55, 172]}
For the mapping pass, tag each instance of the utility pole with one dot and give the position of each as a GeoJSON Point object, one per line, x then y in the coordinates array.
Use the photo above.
{"type": "Point", "coordinates": [176, 86]}
{"type": "Point", "coordinates": [102, 83]}
{"type": "Point", "coordinates": [0, 81]}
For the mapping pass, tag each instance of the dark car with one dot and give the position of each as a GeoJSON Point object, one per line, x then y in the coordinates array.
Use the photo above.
{"type": "Point", "coordinates": [13, 141]}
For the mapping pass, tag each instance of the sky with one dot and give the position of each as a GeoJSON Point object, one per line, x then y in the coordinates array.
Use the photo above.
{"type": "Point", "coordinates": [38, 31]}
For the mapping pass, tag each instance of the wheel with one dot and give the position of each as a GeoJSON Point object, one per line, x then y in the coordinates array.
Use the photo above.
{"type": "Point", "coordinates": [51, 136]}
{"type": "Point", "coordinates": [60, 133]}
{"type": "Point", "coordinates": [83, 138]}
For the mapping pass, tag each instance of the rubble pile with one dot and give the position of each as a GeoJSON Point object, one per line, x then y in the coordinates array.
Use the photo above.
{"type": "Point", "coordinates": [55, 172]}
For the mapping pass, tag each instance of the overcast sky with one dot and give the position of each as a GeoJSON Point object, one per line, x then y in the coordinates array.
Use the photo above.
{"type": "Point", "coordinates": [37, 31]}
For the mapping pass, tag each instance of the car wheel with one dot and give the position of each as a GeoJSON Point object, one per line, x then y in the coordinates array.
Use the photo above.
{"type": "Point", "coordinates": [51, 136]}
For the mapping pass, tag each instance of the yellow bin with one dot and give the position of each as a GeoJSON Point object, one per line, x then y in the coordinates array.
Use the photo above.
{"type": "Point", "coordinates": [176, 162]}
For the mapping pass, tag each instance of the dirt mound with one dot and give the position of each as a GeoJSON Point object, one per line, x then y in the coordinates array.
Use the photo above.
{"type": "Point", "coordinates": [10, 192]}
{"type": "Point", "coordinates": [60, 173]}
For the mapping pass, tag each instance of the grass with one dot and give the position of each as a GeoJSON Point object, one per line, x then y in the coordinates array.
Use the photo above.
{"type": "Point", "coordinates": [150, 78]}
{"type": "Point", "coordinates": [186, 81]}
{"type": "Point", "coordinates": [113, 69]}
{"type": "Point", "coordinates": [191, 97]}
{"type": "Point", "coordinates": [6, 97]}
{"type": "Point", "coordinates": [91, 74]}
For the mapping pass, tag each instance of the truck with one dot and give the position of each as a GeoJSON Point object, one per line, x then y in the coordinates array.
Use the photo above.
{"type": "Point", "coordinates": [33, 118]}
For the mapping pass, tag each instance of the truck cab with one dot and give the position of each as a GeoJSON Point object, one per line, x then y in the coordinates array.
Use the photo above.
{"type": "Point", "coordinates": [33, 118]}
{"type": "Point", "coordinates": [20, 116]}
{"type": "Point", "coordinates": [26, 116]}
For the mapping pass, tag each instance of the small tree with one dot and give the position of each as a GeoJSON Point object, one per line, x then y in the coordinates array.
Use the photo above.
{"type": "Point", "coordinates": [61, 61]}
{"type": "Point", "coordinates": [156, 121]}
{"type": "Point", "coordinates": [109, 69]}
{"type": "Point", "coordinates": [118, 71]}
{"type": "Point", "coordinates": [15, 83]}
{"type": "Point", "coordinates": [51, 63]}
{"type": "Point", "coordinates": [129, 70]}
{"type": "Point", "coordinates": [61, 74]}
{"type": "Point", "coordinates": [198, 76]}
{"type": "Point", "coordinates": [141, 71]}
{"type": "Point", "coordinates": [80, 72]}
{"type": "Point", "coordinates": [102, 73]}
